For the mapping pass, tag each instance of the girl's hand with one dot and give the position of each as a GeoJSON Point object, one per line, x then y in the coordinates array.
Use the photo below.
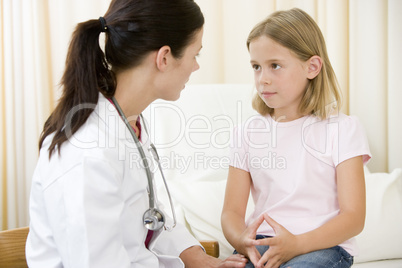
{"type": "Point", "coordinates": [247, 241]}
{"type": "Point", "coordinates": [282, 247]}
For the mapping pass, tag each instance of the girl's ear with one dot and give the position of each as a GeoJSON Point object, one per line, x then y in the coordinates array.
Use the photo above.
{"type": "Point", "coordinates": [162, 58]}
{"type": "Point", "coordinates": [314, 66]}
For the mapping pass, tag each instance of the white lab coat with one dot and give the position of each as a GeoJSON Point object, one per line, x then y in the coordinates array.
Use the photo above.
{"type": "Point", "coordinates": [87, 203]}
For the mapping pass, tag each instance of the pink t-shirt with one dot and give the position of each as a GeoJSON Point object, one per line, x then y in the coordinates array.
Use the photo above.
{"type": "Point", "coordinates": [292, 166]}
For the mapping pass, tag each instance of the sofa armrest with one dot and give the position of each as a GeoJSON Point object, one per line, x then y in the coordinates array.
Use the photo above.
{"type": "Point", "coordinates": [12, 247]}
{"type": "Point", "coordinates": [211, 247]}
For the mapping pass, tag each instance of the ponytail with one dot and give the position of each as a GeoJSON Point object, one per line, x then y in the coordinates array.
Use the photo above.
{"type": "Point", "coordinates": [86, 74]}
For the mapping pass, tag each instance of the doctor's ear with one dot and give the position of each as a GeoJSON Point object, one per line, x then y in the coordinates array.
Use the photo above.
{"type": "Point", "coordinates": [314, 65]}
{"type": "Point", "coordinates": [163, 57]}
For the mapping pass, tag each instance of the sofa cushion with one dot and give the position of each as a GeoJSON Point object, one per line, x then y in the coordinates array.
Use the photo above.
{"type": "Point", "coordinates": [203, 213]}
{"type": "Point", "coordinates": [192, 136]}
{"type": "Point", "coordinates": [382, 234]}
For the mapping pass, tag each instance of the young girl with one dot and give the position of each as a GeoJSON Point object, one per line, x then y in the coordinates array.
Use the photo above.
{"type": "Point", "coordinates": [301, 159]}
{"type": "Point", "coordinates": [91, 203]}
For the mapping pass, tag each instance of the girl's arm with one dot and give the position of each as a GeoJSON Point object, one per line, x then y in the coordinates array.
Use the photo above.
{"type": "Point", "coordinates": [348, 223]}
{"type": "Point", "coordinates": [234, 211]}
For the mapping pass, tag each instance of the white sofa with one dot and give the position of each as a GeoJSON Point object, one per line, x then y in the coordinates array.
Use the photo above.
{"type": "Point", "coordinates": [192, 136]}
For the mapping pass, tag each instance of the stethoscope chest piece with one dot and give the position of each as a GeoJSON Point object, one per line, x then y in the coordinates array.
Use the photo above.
{"type": "Point", "coordinates": [153, 219]}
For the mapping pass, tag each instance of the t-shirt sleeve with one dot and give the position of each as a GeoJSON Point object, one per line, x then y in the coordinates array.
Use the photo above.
{"type": "Point", "coordinates": [349, 141]}
{"type": "Point", "coordinates": [238, 149]}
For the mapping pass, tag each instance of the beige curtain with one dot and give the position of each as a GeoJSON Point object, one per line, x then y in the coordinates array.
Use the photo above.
{"type": "Point", "coordinates": [26, 99]}
{"type": "Point", "coordinates": [34, 36]}
{"type": "Point", "coordinates": [363, 37]}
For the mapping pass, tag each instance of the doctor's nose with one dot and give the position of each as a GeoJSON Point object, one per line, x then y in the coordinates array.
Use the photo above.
{"type": "Point", "coordinates": [196, 66]}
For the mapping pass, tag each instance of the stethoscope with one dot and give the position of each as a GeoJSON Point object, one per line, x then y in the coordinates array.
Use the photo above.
{"type": "Point", "coordinates": [153, 218]}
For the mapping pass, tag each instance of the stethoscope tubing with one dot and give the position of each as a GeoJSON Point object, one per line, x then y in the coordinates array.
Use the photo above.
{"type": "Point", "coordinates": [142, 153]}
{"type": "Point", "coordinates": [151, 193]}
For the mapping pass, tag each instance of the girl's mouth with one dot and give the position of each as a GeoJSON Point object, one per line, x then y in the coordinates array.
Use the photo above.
{"type": "Point", "coordinates": [267, 95]}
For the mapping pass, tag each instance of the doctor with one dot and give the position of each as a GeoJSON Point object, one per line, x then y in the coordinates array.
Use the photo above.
{"type": "Point", "coordinates": [92, 202]}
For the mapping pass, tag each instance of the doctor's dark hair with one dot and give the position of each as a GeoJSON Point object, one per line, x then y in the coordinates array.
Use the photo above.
{"type": "Point", "coordinates": [297, 31]}
{"type": "Point", "coordinates": [133, 29]}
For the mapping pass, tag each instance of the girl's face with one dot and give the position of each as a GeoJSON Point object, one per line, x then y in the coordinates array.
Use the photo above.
{"type": "Point", "coordinates": [280, 77]}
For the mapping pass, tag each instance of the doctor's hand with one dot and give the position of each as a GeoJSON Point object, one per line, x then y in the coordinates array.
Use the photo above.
{"type": "Point", "coordinates": [195, 257]}
{"type": "Point", "coordinates": [236, 260]}
{"type": "Point", "coordinates": [282, 247]}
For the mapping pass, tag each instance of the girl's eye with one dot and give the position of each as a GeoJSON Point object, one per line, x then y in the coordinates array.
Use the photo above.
{"type": "Point", "coordinates": [276, 66]}
{"type": "Point", "coordinates": [256, 67]}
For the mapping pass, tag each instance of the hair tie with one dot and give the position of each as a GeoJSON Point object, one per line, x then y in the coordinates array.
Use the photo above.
{"type": "Point", "coordinates": [103, 24]}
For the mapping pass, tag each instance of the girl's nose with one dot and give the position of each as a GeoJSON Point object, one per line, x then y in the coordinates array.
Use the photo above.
{"type": "Point", "coordinates": [265, 79]}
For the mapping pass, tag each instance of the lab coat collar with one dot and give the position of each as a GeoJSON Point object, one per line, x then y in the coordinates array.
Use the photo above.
{"type": "Point", "coordinates": [109, 116]}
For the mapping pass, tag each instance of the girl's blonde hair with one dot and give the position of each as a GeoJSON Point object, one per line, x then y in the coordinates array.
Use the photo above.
{"type": "Point", "coordinates": [297, 31]}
